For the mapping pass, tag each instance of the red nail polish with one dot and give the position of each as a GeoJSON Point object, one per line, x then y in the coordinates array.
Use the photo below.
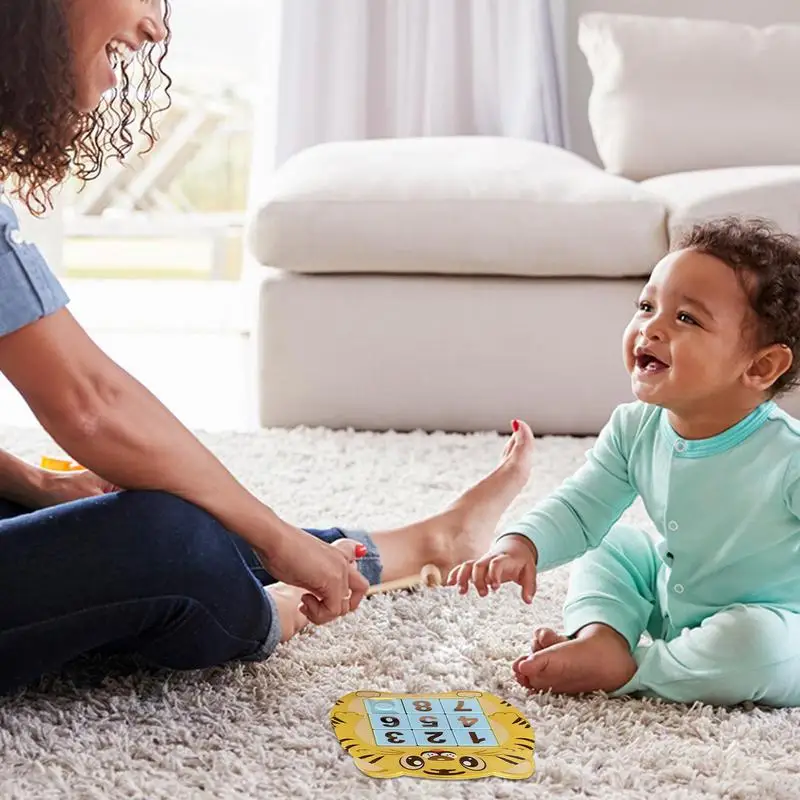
{"type": "Point", "coordinates": [361, 550]}
{"type": "Point", "coordinates": [515, 425]}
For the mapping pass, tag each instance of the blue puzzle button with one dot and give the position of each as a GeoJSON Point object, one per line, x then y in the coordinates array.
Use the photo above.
{"type": "Point", "coordinates": [397, 737]}
{"type": "Point", "coordinates": [423, 705]}
{"type": "Point", "coordinates": [466, 705]}
{"type": "Point", "coordinates": [424, 722]}
{"type": "Point", "coordinates": [384, 706]}
{"type": "Point", "coordinates": [481, 737]}
{"type": "Point", "coordinates": [389, 721]}
{"type": "Point", "coordinates": [435, 738]}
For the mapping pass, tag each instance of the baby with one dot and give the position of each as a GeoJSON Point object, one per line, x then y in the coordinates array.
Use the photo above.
{"type": "Point", "coordinates": [714, 339]}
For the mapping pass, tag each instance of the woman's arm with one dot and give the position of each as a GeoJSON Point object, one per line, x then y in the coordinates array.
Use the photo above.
{"type": "Point", "coordinates": [112, 425]}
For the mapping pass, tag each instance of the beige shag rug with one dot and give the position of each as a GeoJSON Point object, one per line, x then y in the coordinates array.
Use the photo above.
{"type": "Point", "coordinates": [262, 731]}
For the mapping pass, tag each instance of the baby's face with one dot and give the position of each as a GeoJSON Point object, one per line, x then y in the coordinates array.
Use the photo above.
{"type": "Point", "coordinates": [685, 345]}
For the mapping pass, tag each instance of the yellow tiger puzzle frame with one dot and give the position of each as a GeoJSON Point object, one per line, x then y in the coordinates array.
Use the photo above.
{"type": "Point", "coordinates": [511, 757]}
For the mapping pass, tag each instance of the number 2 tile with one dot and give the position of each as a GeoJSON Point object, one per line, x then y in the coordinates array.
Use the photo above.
{"type": "Point", "coordinates": [431, 738]}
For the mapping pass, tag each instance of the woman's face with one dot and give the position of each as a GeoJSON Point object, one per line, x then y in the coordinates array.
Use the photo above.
{"type": "Point", "coordinates": [103, 32]}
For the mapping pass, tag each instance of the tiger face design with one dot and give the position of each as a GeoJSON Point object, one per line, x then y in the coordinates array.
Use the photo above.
{"type": "Point", "coordinates": [511, 757]}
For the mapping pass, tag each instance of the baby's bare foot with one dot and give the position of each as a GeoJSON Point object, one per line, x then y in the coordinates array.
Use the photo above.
{"type": "Point", "coordinates": [598, 660]}
{"type": "Point", "coordinates": [546, 637]}
{"type": "Point", "coordinates": [287, 599]}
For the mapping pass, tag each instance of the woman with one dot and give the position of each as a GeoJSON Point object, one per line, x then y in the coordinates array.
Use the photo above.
{"type": "Point", "coordinates": [173, 568]}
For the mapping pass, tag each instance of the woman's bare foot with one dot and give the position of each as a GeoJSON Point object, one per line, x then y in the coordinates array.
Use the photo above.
{"type": "Point", "coordinates": [287, 599]}
{"type": "Point", "coordinates": [461, 532]}
{"type": "Point", "coordinates": [597, 660]}
{"type": "Point", "coordinates": [465, 529]}
{"type": "Point", "coordinates": [477, 512]}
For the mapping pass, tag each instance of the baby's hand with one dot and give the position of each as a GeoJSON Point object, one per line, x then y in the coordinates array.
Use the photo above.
{"type": "Point", "coordinates": [512, 558]}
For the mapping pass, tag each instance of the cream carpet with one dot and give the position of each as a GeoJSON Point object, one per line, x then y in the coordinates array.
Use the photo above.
{"type": "Point", "coordinates": [262, 731]}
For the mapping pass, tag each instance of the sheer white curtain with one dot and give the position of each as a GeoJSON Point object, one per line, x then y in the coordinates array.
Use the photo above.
{"type": "Point", "coordinates": [355, 69]}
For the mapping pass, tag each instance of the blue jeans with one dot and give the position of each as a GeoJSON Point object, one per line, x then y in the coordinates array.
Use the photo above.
{"type": "Point", "coordinates": [140, 573]}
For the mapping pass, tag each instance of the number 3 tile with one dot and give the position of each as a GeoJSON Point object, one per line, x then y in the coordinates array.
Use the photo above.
{"type": "Point", "coordinates": [394, 738]}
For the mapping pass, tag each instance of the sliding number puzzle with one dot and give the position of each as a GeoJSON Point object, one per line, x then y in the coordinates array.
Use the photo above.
{"type": "Point", "coordinates": [439, 736]}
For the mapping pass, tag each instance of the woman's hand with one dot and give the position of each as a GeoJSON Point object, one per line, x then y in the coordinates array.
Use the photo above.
{"type": "Point", "coordinates": [329, 574]}
{"type": "Point", "coordinates": [55, 488]}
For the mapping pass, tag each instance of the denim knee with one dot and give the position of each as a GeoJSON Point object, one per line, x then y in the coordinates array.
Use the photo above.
{"type": "Point", "coordinates": [180, 546]}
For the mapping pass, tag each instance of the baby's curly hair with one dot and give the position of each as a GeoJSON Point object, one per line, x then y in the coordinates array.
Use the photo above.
{"type": "Point", "coordinates": [42, 135]}
{"type": "Point", "coordinates": [767, 260]}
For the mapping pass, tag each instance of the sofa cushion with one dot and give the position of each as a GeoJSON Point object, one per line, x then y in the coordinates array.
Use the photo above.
{"type": "Point", "coordinates": [461, 205]}
{"type": "Point", "coordinates": [673, 95]}
{"type": "Point", "coordinates": [771, 192]}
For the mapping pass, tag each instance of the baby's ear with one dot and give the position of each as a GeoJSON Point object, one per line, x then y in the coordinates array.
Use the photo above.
{"type": "Point", "coordinates": [768, 365]}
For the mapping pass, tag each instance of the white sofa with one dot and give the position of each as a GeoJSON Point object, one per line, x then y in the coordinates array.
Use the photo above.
{"type": "Point", "coordinates": [457, 283]}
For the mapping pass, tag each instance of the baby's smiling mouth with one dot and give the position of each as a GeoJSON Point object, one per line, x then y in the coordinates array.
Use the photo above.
{"type": "Point", "coordinates": [648, 363]}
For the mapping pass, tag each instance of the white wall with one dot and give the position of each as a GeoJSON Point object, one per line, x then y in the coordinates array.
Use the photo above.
{"type": "Point", "coordinates": [577, 78]}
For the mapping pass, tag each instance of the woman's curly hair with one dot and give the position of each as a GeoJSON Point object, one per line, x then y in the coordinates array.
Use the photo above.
{"type": "Point", "coordinates": [42, 135]}
{"type": "Point", "coordinates": [767, 261]}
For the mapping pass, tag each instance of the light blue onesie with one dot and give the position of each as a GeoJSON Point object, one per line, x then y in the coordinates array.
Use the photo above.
{"type": "Point", "coordinates": [719, 589]}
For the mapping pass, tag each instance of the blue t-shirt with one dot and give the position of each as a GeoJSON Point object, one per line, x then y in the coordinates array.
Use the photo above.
{"type": "Point", "coordinates": [727, 508]}
{"type": "Point", "coordinates": [28, 289]}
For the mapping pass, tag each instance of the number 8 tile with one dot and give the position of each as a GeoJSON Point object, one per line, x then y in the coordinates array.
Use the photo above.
{"type": "Point", "coordinates": [423, 705]}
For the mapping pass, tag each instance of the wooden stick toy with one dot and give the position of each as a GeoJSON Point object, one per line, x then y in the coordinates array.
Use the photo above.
{"type": "Point", "coordinates": [429, 575]}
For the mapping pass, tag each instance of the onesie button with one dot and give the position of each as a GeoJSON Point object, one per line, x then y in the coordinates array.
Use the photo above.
{"type": "Point", "coordinates": [15, 236]}
{"type": "Point", "coordinates": [680, 445]}
{"type": "Point", "coordinates": [673, 526]}
{"type": "Point", "coordinates": [678, 588]}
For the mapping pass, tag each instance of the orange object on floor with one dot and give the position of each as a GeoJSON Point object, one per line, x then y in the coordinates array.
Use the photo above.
{"type": "Point", "coordinates": [59, 464]}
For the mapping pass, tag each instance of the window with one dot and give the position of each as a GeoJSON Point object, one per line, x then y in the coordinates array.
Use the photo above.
{"type": "Point", "coordinates": [179, 211]}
